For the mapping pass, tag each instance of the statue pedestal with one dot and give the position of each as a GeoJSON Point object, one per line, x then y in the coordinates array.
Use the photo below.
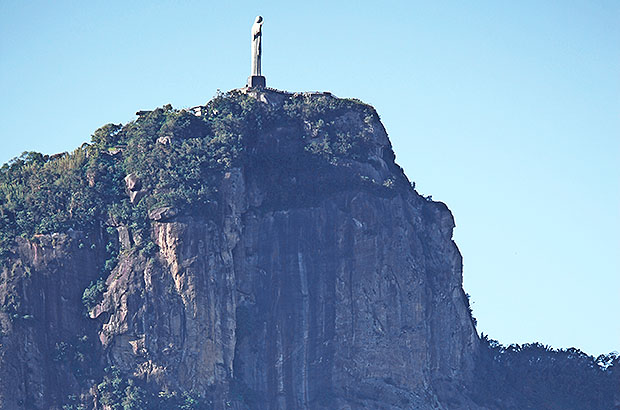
{"type": "Point", "coordinates": [256, 81]}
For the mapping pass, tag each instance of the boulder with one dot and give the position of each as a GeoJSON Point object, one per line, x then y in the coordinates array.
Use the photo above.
{"type": "Point", "coordinates": [163, 213]}
{"type": "Point", "coordinates": [132, 182]}
{"type": "Point", "coordinates": [124, 237]}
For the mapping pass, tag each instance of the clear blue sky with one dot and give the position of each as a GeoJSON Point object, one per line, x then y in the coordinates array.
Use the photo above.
{"type": "Point", "coordinates": [507, 111]}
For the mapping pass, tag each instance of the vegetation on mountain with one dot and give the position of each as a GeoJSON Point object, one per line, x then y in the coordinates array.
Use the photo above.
{"type": "Point", "coordinates": [179, 158]}
{"type": "Point", "coordinates": [534, 376]}
{"type": "Point", "coordinates": [117, 392]}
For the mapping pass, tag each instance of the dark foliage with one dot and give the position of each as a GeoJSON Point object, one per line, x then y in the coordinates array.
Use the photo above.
{"type": "Point", "coordinates": [118, 392]}
{"type": "Point", "coordinates": [93, 294]}
{"type": "Point", "coordinates": [534, 376]}
{"type": "Point", "coordinates": [40, 194]}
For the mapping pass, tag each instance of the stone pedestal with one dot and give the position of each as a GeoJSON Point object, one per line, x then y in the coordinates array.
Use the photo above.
{"type": "Point", "coordinates": [257, 81]}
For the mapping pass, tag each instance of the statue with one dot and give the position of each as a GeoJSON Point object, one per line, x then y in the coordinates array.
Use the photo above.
{"type": "Point", "coordinates": [257, 35]}
{"type": "Point", "coordinates": [256, 79]}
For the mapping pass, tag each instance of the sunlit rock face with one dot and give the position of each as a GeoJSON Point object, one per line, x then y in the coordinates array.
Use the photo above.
{"type": "Point", "coordinates": [316, 278]}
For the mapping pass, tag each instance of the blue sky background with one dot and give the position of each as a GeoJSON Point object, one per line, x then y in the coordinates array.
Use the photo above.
{"type": "Point", "coordinates": [506, 111]}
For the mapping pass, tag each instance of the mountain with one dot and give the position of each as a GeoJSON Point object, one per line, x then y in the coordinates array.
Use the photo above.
{"type": "Point", "coordinates": [263, 251]}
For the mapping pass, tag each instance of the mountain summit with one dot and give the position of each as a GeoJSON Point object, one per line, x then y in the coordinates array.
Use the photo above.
{"type": "Point", "coordinates": [263, 251]}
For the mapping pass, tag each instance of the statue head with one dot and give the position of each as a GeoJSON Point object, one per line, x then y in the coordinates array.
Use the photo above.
{"type": "Point", "coordinates": [259, 19]}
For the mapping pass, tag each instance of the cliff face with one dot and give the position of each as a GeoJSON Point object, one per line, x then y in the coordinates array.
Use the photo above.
{"type": "Point", "coordinates": [300, 284]}
{"type": "Point", "coordinates": [347, 304]}
{"type": "Point", "coordinates": [41, 314]}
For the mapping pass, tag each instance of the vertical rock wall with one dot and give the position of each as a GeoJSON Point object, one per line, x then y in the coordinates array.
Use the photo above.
{"type": "Point", "coordinates": [358, 300]}
{"type": "Point", "coordinates": [43, 323]}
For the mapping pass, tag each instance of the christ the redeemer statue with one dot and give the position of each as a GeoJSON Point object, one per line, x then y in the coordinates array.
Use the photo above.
{"type": "Point", "coordinates": [256, 79]}
{"type": "Point", "coordinates": [257, 36]}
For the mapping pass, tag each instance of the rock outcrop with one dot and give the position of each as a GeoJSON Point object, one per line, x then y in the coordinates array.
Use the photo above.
{"type": "Point", "coordinates": [336, 287]}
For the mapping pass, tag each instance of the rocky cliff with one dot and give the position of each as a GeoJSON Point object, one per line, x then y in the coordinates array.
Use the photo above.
{"type": "Point", "coordinates": [286, 263]}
